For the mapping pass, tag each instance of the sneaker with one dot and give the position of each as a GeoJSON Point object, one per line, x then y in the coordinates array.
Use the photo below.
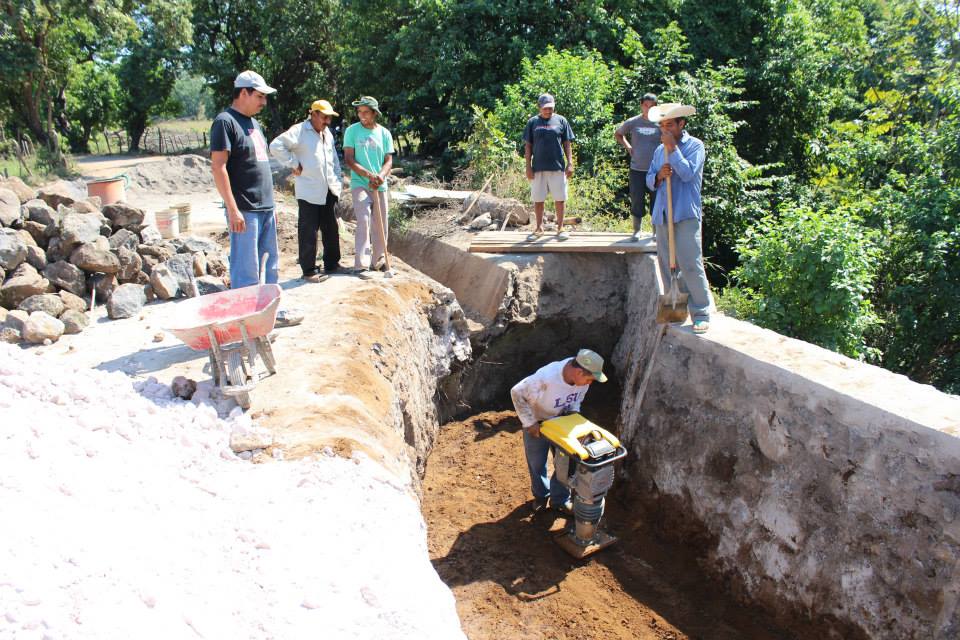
{"type": "Point", "coordinates": [539, 504]}
{"type": "Point", "coordinates": [701, 326]}
{"type": "Point", "coordinates": [636, 236]}
{"type": "Point", "coordinates": [563, 235]}
{"type": "Point", "coordinates": [565, 508]}
{"type": "Point", "coordinates": [288, 318]}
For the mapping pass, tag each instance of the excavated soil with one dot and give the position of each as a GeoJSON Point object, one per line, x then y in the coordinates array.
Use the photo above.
{"type": "Point", "coordinates": [511, 581]}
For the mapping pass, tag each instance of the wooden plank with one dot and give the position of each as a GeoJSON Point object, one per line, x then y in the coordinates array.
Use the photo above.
{"type": "Point", "coordinates": [579, 242]}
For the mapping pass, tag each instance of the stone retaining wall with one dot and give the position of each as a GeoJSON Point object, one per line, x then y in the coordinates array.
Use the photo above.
{"type": "Point", "coordinates": [816, 485]}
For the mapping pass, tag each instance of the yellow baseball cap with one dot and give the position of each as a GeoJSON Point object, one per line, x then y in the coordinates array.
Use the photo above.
{"type": "Point", "coordinates": [323, 107]}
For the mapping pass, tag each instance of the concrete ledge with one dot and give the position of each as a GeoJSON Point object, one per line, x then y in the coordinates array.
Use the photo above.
{"type": "Point", "coordinates": [820, 486]}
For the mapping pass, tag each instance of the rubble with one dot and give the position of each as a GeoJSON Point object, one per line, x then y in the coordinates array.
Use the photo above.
{"type": "Point", "coordinates": [58, 247]}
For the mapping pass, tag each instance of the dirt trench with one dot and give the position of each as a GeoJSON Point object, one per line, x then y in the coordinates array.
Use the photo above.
{"type": "Point", "coordinates": [511, 581]}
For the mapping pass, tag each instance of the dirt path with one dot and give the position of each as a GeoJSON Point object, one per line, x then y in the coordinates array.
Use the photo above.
{"type": "Point", "coordinates": [511, 581]}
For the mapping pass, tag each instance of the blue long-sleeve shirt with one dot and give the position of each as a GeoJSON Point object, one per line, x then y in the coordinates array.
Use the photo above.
{"type": "Point", "coordinates": [687, 163]}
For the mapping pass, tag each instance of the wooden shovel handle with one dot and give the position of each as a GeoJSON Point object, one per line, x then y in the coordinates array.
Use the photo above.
{"type": "Point", "coordinates": [382, 226]}
{"type": "Point", "coordinates": [670, 240]}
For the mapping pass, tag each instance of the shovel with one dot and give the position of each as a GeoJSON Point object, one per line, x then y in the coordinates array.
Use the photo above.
{"type": "Point", "coordinates": [672, 305]}
{"type": "Point", "coordinates": [383, 237]}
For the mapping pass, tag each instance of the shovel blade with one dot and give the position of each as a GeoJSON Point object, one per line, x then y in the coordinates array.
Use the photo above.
{"type": "Point", "coordinates": [672, 308]}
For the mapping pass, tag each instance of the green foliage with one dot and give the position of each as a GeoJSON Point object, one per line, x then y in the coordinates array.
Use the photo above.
{"type": "Point", "coordinates": [149, 69]}
{"type": "Point", "coordinates": [810, 273]}
{"type": "Point", "coordinates": [92, 103]}
{"type": "Point", "coordinates": [585, 88]}
{"type": "Point", "coordinates": [194, 98]}
{"type": "Point", "coordinates": [289, 42]}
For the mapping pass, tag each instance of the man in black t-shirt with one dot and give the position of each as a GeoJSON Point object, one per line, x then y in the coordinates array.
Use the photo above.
{"type": "Point", "coordinates": [241, 171]}
{"type": "Point", "coordinates": [549, 159]}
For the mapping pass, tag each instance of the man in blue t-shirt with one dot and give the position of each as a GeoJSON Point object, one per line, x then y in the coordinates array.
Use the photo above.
{"type": "Point", "coordinates": [549, 159]}
{"type": "Point", "coordinates": [241, 171]}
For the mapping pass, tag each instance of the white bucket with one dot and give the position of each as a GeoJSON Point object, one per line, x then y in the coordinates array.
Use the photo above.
{"type": "Point", "coordinates": [184, 212]}
{"type": "Point", "coordinates": [168, 223]}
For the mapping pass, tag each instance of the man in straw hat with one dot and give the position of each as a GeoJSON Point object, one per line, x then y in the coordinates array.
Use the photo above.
{"type": "Point", "coordinates": [308, 148]}
{"type": "Point", "coordinates": [241, 171]}
{"type": "Point", "coordinates": [680, 157]}
{"type": "Point", "coordinates": [368, 151]}
{"type": "Point", "coordinates": [552, 390]}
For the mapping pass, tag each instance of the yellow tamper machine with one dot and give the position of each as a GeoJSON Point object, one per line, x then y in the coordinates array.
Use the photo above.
{"type": "Point", "coordinates": [583, 456]}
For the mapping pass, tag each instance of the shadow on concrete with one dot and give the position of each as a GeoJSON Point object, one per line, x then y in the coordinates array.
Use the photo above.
{"type": "Point", "coordinates": [152, 360]}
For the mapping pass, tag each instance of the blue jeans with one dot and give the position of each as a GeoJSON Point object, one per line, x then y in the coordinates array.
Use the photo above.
{"type": "Point", "coordinates": [692, 277]}
{"type": "Point", "coordinates": [247, 248]}
{"type": "Point", "coordinates": [536, 450]}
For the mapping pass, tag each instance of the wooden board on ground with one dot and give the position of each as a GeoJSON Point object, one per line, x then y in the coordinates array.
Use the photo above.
{"type": "Point", "coordinates": [579, 242]}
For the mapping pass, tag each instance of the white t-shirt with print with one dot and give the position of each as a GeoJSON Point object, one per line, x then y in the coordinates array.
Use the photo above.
{"type": "Point", "coordinates": [544, 394]}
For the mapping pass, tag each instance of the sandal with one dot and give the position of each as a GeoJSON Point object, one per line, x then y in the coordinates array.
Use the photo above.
{"type": "Point", "coordinates": [701, 326]}
{"type": "Point", "coordinates": [562, 235]}
{"type": "Point", "coordinates": [288, 318]}
{"type": "Point", "coordinates": [533, 237]}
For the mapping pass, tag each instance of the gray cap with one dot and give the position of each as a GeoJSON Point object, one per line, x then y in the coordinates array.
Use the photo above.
{"type": "Point", "coordinates": [592, 362]}
{"type": "Point", "coordinates": [252, 80]}
{"type": "Point", "coordinates": [546, 100]}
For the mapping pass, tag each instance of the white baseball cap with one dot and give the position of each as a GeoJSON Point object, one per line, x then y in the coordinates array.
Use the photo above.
{"type": "Point", "coordinates": [252, 80]}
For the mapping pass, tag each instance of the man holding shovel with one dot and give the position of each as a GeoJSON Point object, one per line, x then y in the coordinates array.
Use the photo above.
{"type": "Point", "coordinates": [677, 167]}
{"type": "Point", "coordinates": [368, 151]}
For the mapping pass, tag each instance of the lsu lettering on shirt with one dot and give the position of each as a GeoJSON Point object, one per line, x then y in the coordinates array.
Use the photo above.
{"type": "Point", "coordinates": [544, 394]}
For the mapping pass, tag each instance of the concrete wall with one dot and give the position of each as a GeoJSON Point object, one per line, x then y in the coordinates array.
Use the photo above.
{"type": "Point", "coordinates": [814, 484]}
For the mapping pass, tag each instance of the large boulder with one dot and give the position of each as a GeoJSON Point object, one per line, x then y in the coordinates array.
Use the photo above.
{"type": "Point", "coordinates": [36, 257]}
{"type": "Point", "coordinates": [91, 259]}
{"type": "Point", "coordinates": [26, 237]}
{"type": "Point", "coordinates": [126, 301]}
{"type": "Point", "coordinates": [67, 276]}
{"type": "Point", "coordinates": [84, 206]}
{"type": "Point", "coordinates": [158, 251]}
{"type": "Point", "coordinates": [37, 231]}
{"type": "Point", "coordinates": [9, 208]}
{"type": "Point", "coordinates": [103, 284]}
{"type": "Point", "coordinates": [216, 264]}
{"type": "Point", "coordinates": [74, 321]}
{"type": "Point", "coordinates": [13, 250]}
{"type": "Point", "coordinates": [498, 208]}
{"type": "Point", "coordinates": [78, 228]}
{"type": "Point", "coordinates": [61, 192]}
{"type": "Point", "coordinates": [41, 326]}
{"type": "Point", "coordinates": [24, 282]}
{"type": "Point", "coordinates": [181, 265]}
{"type": "Point", "coordinates": [149, 262]}
{"type": "Point", "coordinates": [15, 319]}
{"type": "Point", "coordinates": [39, 211]}
{"type": "Point", "coordinates": [199, 264]}
{"type": "Point", "coordinates": [124, 238]}
{"type": "Point", "coordinates": [23, 190]}
{"type": "Point", "coordinates": [150, 235]}
{"type": "Point", "coordinates": [130, 264]}
{"type": "Point", "coordinates": [50, 303]}
{"type": "Point", "coordinates": [194, 244]}
{"type": "Point", "coordinates": [164, 282]}
{"type": "Point", "coordinates": [121, 214]}
{"type": "Point", "coordinates": [71, 301]}
{"type": "Point", "coordinates": [210, 284]}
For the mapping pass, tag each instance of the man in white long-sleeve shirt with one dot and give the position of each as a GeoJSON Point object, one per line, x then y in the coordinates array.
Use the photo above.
{"type": "Point", "coordinates": [554, 389]}
{"type": "Point", "coordinates": [308, 148]}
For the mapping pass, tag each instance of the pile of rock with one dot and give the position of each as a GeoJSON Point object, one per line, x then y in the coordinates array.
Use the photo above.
{"type": "Point", "coordinates": [61, 251]}
{"type": "Point", "coordinates": [489, 212]}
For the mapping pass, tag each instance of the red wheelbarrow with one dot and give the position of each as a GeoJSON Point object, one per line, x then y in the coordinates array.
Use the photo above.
{"type": "Point", "coordinates": [233, 327]}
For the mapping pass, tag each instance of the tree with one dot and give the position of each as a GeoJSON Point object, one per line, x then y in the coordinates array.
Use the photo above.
{"type": "Point", "coordinates": [92, 103]}
{"type": "Point", "coordinates": [289, 42]}
{"type": "Point", "coordinates": [40, 42]}
{"type": "Point", "coordinates": [149, 66]}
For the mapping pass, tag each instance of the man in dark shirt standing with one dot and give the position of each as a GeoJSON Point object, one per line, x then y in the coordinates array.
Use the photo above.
{"type": "Point", "coordinates": [644, 138]}
{"type": "Point", "coordinates": [241, 171]}
{"type": "Point", "coordinates": [549, 159]}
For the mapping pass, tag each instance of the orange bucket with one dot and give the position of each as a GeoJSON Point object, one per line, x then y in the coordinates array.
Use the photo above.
{"type": "Point", "coordinates": [110, 190]}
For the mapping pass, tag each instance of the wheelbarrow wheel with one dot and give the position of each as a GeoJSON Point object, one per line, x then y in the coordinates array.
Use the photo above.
{"type": "Point", "coordinates": [237, 377]}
